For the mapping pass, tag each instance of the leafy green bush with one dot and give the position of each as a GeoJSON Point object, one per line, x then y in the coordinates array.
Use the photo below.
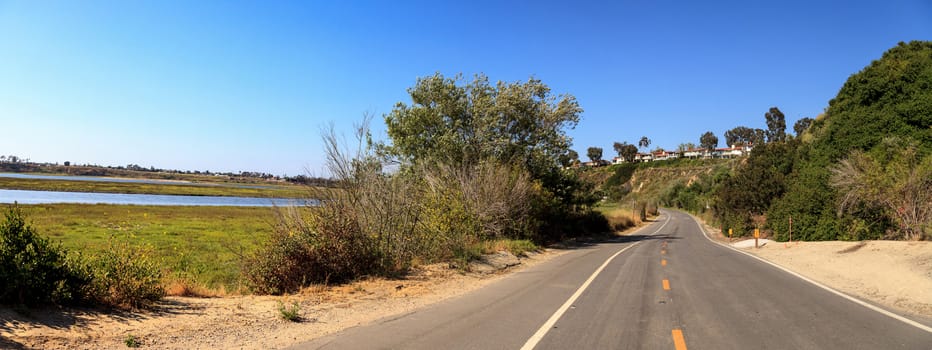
{"type": "Point", "coordinates": [34, 271]}
{"type": "Point", "coordinates": [126, 276]}
{"type": "Point", "coordinates": [292, 313]}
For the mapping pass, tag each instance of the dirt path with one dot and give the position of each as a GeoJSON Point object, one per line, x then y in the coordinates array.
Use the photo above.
{"type": "Point", "coordinates": [243, 322]}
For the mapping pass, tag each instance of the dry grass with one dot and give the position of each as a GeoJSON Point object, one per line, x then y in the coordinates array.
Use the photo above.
{"type": "Point", "coordinates": [518, 247]}
{"type": "Point", "coordinates": [186, 288]}
{"type": "Point", "coordinates": [620, 219]}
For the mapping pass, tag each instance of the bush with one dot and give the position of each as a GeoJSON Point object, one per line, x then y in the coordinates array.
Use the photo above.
{"type": "Point", "coordinates": [34, 271]}
{"type": "Point", "coordinates": [126, 276]}
{"type": "Point", "coordinates": [373, 223]}
{"type": "Point", "coordinates": [292, 313]}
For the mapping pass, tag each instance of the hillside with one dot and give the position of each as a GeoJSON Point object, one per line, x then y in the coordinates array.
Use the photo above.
{"type": "Point", "coordinates": [656, 182]}
{"type": "Point", "coordinates": [863, 170]}
{"type": "Point", "coordinates": [878, 132]}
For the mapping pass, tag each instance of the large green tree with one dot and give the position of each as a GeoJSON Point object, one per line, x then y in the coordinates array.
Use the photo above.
{"type": "Point", "coordinates": [452, 121]}
{"type": "Point", "coordinates": [569, 158]}
{"type": "Point", "coordinates": [626, 150]}
{"type": "Point", "coordinates": [594, 153]}
{"type": "Point", "coordinates": [802, 125]}
{"type": "Point", "coordinates": [742, 135]}
{"type": "Point", "coordinates": [776, 125]}
{"type": "Point", "coordinates": [708, 141]}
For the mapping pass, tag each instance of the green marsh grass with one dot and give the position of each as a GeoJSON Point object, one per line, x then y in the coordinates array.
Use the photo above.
{"type": "Point", "coordinates": [197, 246]}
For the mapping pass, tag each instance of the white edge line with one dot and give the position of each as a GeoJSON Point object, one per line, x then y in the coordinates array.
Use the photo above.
{"type": "Point", "coordinates": [542, 331]}
{"type": "Point", "coordinates": [817, 284]}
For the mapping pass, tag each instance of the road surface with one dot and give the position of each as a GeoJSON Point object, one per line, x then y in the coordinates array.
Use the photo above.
{"type": "Point", "coordinates": [664, 287]}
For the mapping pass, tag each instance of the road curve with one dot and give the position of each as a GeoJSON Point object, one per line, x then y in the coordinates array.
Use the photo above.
{"type": "Point", "coordinates": [664, 287]}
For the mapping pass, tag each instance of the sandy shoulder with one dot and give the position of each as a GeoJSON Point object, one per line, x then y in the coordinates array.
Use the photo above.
{"type": "Point", "coordinates": [244, 322]}
{"type": "Point", "coordinates": [895, 274]}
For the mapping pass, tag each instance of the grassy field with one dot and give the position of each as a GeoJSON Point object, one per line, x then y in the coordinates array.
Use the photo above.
{"type": "Point", "coordinates": [201, 244]}
{"type": "Point", "coordinates": [279, 191]}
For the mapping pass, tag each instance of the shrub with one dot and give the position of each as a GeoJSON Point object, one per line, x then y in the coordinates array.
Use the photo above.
{"type": "Point", "coordinates": [292, 313]}
{"type": "Point", "coordinates": [131, 341]}
{"type": "Point", "coordinates": [895, 182]}
{"type": "Point", "coordinates": [373, 223]}
{"type": "Point", "coordinates": [34, 271]}
{"type": "Point", "coordinates": [364, 225]}
{"type": "Point", "coordinates": [126, 276]}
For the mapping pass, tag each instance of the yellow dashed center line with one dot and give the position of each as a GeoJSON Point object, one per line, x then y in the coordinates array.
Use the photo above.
{"type": "Point", "coordinates": [663, 262]}
{"type": "Point", "coordinates": [662, 252]}
{"type": "Point", "coordinates": [666, 284]}
{"type": "Point", "coordinates": [678, 341]}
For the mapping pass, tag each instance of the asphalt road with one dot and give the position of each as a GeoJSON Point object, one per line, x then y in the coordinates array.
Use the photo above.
{"type": "Point", "coordinates": [665, 287]}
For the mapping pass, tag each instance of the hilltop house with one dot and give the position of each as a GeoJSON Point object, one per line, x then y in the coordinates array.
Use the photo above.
{"type": "Point", "coordinates": [692, 153]}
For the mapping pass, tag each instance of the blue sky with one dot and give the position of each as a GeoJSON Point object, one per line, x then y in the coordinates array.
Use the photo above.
{"type": "Point", "coordinates": [248, 85]}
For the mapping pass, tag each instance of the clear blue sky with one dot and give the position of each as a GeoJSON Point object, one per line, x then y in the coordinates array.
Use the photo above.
{"type": "Point", "coordinates": [247, 85]}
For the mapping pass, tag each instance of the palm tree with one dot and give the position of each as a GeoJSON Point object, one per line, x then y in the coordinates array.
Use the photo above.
{"type": "Point", "coordinates": [644, 142]}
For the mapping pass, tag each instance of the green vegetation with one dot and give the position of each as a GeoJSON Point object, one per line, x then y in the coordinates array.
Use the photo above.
{"type": "Point", "coordinates": [863, 170]}
{"type": "Point", "coordinates": [708, 141]}
{"type": "Point", "coordinates": [34, 271]}
{"type": "Point", "coordinates": [193, 245]}
{"type": "Point", "coordinates": [125, 275]}
{"type": "Point", "coordinates": [205, 189]}
{"type": "Point", "coordinates": [292, 313]}
{"type": "Point", "coordinates": [892, 97]}
{"type": "Point", "coordinates": [476, 163]}
{"type": "Point", "coordinates": [893, 183]}
{"type": "Point", "coordinates": [594, 153]}
{"type": "Point", "coordinates": [131, 341]}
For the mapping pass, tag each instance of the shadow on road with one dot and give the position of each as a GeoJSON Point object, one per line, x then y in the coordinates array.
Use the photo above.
{"type": "Point", "coordinates": [591, 242]}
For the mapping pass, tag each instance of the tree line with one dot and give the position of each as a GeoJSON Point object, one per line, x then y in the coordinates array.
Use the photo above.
{"type": "Point", "coordinates": [708, 141]}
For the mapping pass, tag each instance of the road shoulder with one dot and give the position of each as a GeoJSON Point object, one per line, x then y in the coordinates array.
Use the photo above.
{"type": "Point", "coordinates": [893, 276]}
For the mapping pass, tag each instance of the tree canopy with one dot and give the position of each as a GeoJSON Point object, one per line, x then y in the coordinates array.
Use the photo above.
{"type": "Point", "coordinates": [802, 125]}
{"type": "Point", "coordinates": [644, 142]}
{"type": "Point", "coordinates": [708, 141]}
{"type": "Point", "coordinates": [453, 121]}
{"type": "Point", "coordinates": [594, 153]}
{"type": "Point", "coordinates": [776, 125]}
{"type": "Point", "coordinates": [626, 150]}
{"type": "Point", "coordinates": [742, 135]}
